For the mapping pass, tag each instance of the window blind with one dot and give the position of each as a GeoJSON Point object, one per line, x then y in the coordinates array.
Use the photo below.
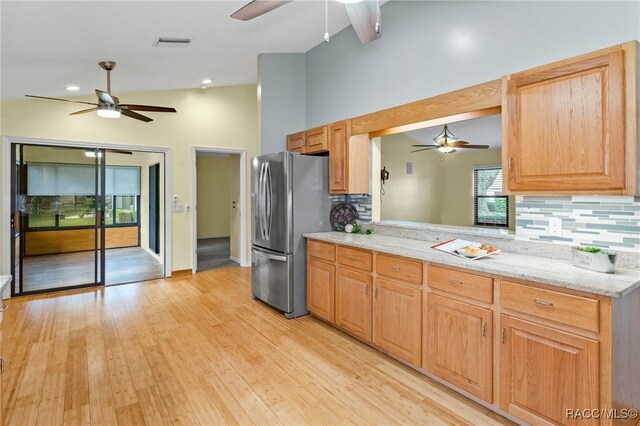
{"type": "Point", "coordinates": [80, 179]}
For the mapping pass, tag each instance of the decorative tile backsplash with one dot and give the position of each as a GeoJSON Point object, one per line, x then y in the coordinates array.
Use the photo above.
{"type": "Point", "coordinates": [601, 221]}
{"type": "Point", "coordinates": [362, 203]}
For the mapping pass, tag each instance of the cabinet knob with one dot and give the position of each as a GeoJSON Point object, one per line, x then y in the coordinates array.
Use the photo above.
{"type": "Point", "coordinates": [456, 282]}
{"type": "Point", "coordinates": [395, 267]}
{"type": "Point", "coordinates": [503, 337]}
{"type": "Point", "coordinates": [509, 163]}
{"type": "Point", "coordinates": [484, 329]}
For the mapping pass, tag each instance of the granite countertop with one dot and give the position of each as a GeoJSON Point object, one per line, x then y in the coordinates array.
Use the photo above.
{"type": "Point", "coordinates": [525, 267]}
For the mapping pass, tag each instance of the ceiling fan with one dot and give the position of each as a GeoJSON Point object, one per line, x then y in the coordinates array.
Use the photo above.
{"type": "Point", "coordinates": [447, 142]}
{"type": "Point", "coordinates": [109, 106]}
{"type": "Point", "coordinates": [363, 14]}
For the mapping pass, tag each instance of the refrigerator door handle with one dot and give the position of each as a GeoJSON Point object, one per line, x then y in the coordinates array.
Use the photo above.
{"type": "Point", "coordinates": [268, 196]}
{"type": "Point", "coordinates": [270, 256]}
{"type": "Point", "coordinates": [261, 201]}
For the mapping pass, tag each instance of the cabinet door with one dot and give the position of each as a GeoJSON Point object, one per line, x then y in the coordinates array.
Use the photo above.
{"type": "Point", "coordinates": [338, 144]}
{"type": "Point", "coordinates": [459, 345]}
{"type": "Point", "coordinates": [321, 289]}
{"type": "Point", "coordinates": [398, 318]}
{"type": "Point", "coordinates": [296, 142]}
{"type": "Point", "coordinates": [316, 140]}
{"type": "Point", "coordinates": [564, 126]}
{"type": "Point", "coordinates": [544, 372]}
{"type": "Point", "coordinates": [353, 302]}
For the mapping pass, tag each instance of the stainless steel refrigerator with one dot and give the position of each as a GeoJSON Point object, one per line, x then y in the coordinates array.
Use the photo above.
{"type": "Point", "coordinates": [289, 197]}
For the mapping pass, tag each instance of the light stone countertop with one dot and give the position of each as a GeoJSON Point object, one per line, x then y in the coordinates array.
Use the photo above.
{"type": "Point", "coordinates": [531, 268]}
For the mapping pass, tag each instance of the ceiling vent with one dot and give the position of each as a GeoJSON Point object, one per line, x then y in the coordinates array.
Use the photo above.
{"type": "Point", "coordinates": [171, 42]}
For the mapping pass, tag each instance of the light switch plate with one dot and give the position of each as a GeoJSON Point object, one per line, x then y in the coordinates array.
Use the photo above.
{"type": "Point", "coordinates": [555, 226]}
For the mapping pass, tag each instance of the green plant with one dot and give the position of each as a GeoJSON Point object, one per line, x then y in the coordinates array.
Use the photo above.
{"type": "Point", "coordinates": [595, 250]}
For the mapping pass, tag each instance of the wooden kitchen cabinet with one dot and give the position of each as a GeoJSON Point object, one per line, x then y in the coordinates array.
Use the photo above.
{"type": "Point", "coordinates": [459, 345]}
{"type": "Point", "coordinates": [296, 142]}
{"type": "Point", "coordinates": [354, 302]}
{"type": "Point", "coordinates": [321, 289]}
{"type": "Point", "coordinates": [397, 316]}
{"type": "Point", "coordinates": [316, 140]}
{"type": "Point", "coordinates": [349, 160]}
{"type": "Point", "coordinates": [544, 372]}
{"type": "Point", "coordinates": [570, 127]}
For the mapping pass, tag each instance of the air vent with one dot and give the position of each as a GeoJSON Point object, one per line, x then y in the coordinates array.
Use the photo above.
{"type": "Point", "coordinates": [171, 42]}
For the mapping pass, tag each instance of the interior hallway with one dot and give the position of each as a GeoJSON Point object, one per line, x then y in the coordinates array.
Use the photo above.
{"type": "Point", "coordinates": [199, 350]}
{"type": "Point", "coordinates": [122, 265]}
{"type": "Point", "coordinates": [214, 253]}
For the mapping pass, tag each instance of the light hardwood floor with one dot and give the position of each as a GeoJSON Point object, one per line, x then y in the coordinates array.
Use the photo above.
{"type": "Point", "coordinates": [199, 350]}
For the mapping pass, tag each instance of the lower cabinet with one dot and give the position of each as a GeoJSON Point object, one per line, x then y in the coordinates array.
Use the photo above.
{"type": "Point", "coordinates": [544, 372]}
{"type": "Point", "coordinates": [321, 289]}
{"type": "Point", "coordinates": [459, 345]}
{"type": "Point", "coordinates": [397, 314]}
{"type": "Point", "coordinates": [353, 302]}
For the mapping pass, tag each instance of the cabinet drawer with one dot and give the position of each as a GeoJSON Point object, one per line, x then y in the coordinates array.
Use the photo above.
{"type": "Point", "coordinates": [316, 140]}
{"type": "Point", "coordinates": [398, 268]}
{"type": "Point", "coordinates": [325, 251]}
{"type": "Point", "coordinates": [358, 259]}
{"type": "Point", "coordinates": [568, 309]}
{"type": "Point", "coordinates": [461, 283]}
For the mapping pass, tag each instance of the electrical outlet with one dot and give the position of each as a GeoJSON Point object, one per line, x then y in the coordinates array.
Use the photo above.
{"type": "Point", "coordinates": [555, 226]}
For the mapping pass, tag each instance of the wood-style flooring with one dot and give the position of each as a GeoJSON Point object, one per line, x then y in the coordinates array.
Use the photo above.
{"type": "Point", "coordinates": [122, 265]}
{"type": "Point", "coordinates": [199, 350]}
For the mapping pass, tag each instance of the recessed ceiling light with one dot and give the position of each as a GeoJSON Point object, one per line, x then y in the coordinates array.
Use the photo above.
{"type": "Point", "coordinates": [207, 81]}
{"type": "Point", "coordinates": [72, 87]}
{"type": "Point", "coordinates": [203, 86]}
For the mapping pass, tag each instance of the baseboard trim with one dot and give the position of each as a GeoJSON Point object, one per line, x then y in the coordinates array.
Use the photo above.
{"type": "Point", "coordinates": [181, 273]}
{"type": "Point", "coordinates": [204, 237]}
{"type": "Point", "coordinates": [235, 259]}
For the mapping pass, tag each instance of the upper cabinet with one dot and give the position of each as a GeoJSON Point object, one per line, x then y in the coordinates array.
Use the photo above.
{"type": "Point", "coordinates": [312, 141]}
{"type": "Point", "coordinates": [570, 126]}
{"type": "Point", "coordinates": [349, 156]}
{"type": "Point", "coordinates": [349, 160]}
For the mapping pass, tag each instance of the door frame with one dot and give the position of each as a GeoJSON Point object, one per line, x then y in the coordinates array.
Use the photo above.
{"type": "Point", "coordinates": [195, 150]}
{"type": "Point", "coordinates": [5, 189]}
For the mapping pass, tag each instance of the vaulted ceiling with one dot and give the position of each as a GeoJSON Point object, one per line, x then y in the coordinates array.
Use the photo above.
{"type": "Point", "coordinates": [46, 45]}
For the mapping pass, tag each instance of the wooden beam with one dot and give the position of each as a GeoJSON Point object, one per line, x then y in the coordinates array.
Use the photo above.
{"type": "Point", "coordinates": [437, 122]}
{"type": "Point", "coordinates": [474, 99]}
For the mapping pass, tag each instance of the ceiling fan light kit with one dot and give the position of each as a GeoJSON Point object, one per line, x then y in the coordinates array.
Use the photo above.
{"type": "Point", "coordinates": [447, 142]}
{"type": "Point", "coordinates": [109, 111]}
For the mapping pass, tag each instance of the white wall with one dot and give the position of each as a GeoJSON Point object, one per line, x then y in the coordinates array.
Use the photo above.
{"type": "Point", "coordinates": [281, 98]}
{"type": "Point", "coordinates": [431, 47]}
{"type": "Point", "coordinates": [217, 117]}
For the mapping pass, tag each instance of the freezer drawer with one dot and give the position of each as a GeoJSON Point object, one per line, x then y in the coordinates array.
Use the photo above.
{"type": "Point", "coordinates": [272, 278]}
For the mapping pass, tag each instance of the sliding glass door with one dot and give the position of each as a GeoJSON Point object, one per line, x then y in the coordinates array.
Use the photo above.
{"type": "Point", "coordinates": [57, 206]}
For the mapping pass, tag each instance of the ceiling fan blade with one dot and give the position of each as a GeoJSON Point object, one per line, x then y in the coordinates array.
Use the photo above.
{"type": "Point", "coordinates": [151, 108]}
{"type": "Point", "coordinates": [423, 149]}
{"type": "Point", "coordinates": [471, 146]}
{"type": "Point", "coordinates": [105, 97]}
{"type": "Point", "coordinates": [426, 146]}
{"type": "Point", "coordinates": [135, 115]}
{"type": "Point", "coordinates": [365, 19]}
{"type": "Point", "coordinates": [60, 99]}
{"type": "Point", "coordinates": [84, 111]}
{"type": "Point", "coordinates": [458, 143]}
{"type": "Point", "coordinates": [256, 8]}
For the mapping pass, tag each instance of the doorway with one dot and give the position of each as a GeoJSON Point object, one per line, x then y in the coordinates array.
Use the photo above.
{"type": "Point", "coordinates": [218, 220]}
{"type": "Point", "coordinates": [77, 220]}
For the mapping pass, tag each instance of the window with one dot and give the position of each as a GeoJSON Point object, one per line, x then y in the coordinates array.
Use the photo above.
{"type": "Point", "coordinates": [63, 195]}
{"type": "Point", "coordinates": [490, 207]}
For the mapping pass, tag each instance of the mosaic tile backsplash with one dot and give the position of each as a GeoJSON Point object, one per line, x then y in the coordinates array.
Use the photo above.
{"type": "Point", "coordinates": [362, 203]}
{"type": "Point", "coordinates": [601, 221]}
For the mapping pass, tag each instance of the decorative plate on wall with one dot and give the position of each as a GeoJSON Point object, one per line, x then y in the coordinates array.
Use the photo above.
{"type": "Point", "coordinates": [343, 214]}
